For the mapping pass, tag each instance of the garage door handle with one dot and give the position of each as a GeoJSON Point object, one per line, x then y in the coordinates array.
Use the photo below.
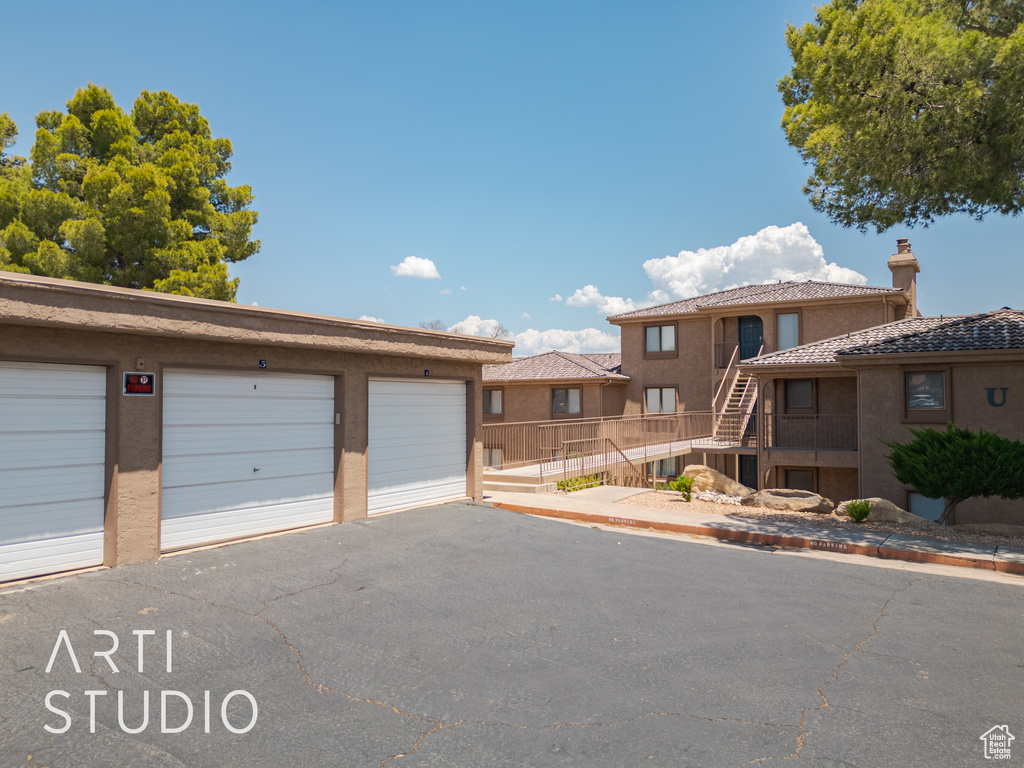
{"type": "Point", "coordinates": [255, 469]}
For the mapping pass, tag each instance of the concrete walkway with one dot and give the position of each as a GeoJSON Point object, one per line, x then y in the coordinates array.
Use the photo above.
{"type": "Point", "coordinates": [598, 505]}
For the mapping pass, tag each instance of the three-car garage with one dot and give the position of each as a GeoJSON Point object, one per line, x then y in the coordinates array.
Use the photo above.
{"type": "Point", "coordinates": [251, 421]}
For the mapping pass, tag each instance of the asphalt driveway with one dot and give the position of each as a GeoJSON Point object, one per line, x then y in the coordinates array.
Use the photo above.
{"type": "Point", "coordinates": [466, 636]}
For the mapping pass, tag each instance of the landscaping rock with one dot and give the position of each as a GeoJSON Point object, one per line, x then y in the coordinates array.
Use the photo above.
{"type": "Point", "coordinates": [707, 479]}
{"type": "Point", "coordinates": [790, 500]}
{"type": "Point", "coordinates": [1002, 529]}
{"type": "Point", "coordinates": [884, 511]}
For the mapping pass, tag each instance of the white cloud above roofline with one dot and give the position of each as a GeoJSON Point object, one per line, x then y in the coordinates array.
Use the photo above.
{"type": "Point", "coordinates": [533, 341]}
{"type": "Point", "coordinates": [772, 255]}
{"type": "Point", "coordinates": [775, 254]}
{"type": "Point", "coordinates": [414, 266]}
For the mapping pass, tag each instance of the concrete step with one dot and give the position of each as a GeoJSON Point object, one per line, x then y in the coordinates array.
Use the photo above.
{"type": "Point", "coordinates": [491, 477]}
{"type": "Point", "coordinates": [519, 487]}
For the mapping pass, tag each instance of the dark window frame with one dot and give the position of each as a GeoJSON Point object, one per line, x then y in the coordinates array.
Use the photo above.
{"type": "Point", "coordinates": [799, 327]}
{"type": "Point", "coordinates": [808, 410]}
{"type": "Point", "coordinates": [567, 414]}
{"type": "Point", "coordinates": [496, 416]}
{"type": "Point", "coordinates": [661, 354]}
{"type": "Point", "coordinates": [812, 470]}
{"type": "Point", "coordinates": [673, 387]}
{"type": "Point", "coordinates": [926, 415]}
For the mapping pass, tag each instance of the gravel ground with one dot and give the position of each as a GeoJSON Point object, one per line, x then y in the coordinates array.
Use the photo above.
{"type": "Point", "coordinates": [718, 504]}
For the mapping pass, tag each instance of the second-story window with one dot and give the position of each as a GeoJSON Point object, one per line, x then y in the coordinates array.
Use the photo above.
{"type": "Point", "coordinates": [565, 402]}
{"type": "Point", "coordinates": [659, 340]}
{"type": "Point", "coordinates": [492, 402]}
{"type": "Point", "coordinates": [789, 330]}
{"type": "Point", "coordinates": [799, 395]}
{"type": "Point", "coordinates": [660, 399]}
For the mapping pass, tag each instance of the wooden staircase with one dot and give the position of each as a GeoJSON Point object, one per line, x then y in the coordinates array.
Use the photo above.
{"type": "Point", "coordinates": [732, 420]}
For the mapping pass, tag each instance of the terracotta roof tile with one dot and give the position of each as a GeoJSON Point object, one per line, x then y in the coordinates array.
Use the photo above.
{"type": "Point", "coordinates": [558, 365]}
{"type": "Point", "coordinates": [756, 294]}
{"type": "Point", "coordinates": [824, 351]}
{"type": "Point", "coordinates": [1001, 329]}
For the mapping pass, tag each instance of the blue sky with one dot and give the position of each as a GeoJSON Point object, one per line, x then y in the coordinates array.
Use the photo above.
{"type": "Point", "coordinates": [528, 150]}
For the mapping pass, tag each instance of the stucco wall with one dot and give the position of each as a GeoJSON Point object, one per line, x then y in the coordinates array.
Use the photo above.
{"type": "Point", "coordinates": [532, 401]}
{"type": "Point", "coordinates": [690, 372]}
{"type": "Point", "coordinates": [837, 395]}
{"type": "Point", "coordinates": [838, 483]}
{"type": "Point", "coordinates": [882, 418]}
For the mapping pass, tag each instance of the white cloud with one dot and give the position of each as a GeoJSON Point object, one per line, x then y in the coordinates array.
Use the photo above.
{"type": "Point", "coordinates": [462, 287]}
{"type": "Point", "coordinates": [590, 296]}
{"type": "Point", "coordinates": [532, 342]}
{"type": "Point", "coordinates": [525, 316]}
{"type": "Point", "coordinates": [446, 291]}
{"type": "Point", "coordinates": [474, 325]}
{"type": "Point", "coordinates": [773, 254]}
{"type": "Point", "coordinates": [556, 297]}
{"type": "Point", "coordinates": [371, 318]}
{"type": "Point", "coordinates": [414, 266]}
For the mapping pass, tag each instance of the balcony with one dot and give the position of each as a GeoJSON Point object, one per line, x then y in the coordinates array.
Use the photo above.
{"type": "Point", "coordinates": [811, 432]}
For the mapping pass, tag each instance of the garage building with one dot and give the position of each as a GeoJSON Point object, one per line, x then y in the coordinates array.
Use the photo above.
{"type": "Point", "coordinates": [134, 423]}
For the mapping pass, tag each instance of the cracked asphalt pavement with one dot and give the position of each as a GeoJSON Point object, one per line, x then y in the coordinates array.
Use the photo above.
{"type": "Point", "coordinates": [462, 635]}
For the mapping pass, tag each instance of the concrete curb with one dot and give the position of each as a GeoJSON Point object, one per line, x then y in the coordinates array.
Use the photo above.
{"type": "Point", "coordinates": [890, 547]}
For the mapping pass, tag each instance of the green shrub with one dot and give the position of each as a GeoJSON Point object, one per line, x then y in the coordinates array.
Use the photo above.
{"type": "Point", "coordinates": [684, 485]}
{"type": "Point", "coordinates": [579, 483]}
{"type": "Point", "coordinates": [959, 464]}
{"type": "Point", "coordinates": [859, 510]}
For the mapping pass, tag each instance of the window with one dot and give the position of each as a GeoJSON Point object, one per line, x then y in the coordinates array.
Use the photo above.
{"type": "Point", "coordinates": [922, 506]}
{"type": "Point", "coordinates": [565, 401]}
{"type": "Point", "coordinates": [926, 391]}
{"type": "Point", "coordinates": [789, 330]}
{"type": "Point", "coordinates": [663, 468]}
{"type": "Point", "coordinates": [800, 479]}
{"type": "Point", "coordinates": [492, 402]}
{"type": "Point", "coordinates": [660, 340]}
{"type": "Point", "coordinates": [660, 399]}
{"type": "Point", "coordinates": [799, 394]}
{"type": "Point", "coordinates": [492, 458]}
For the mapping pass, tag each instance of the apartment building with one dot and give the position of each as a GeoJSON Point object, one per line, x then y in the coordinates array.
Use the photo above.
{"type": "Point", "coordinates": [830, 407]}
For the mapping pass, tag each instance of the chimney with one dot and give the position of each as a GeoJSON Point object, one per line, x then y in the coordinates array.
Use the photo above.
{"type": "Point", "coordinates": [904, 268]}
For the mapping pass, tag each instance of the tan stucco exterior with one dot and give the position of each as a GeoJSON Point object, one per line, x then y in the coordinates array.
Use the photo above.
{"type": "Point", "coordinates": [883, 417]}
{"type": "Point", "coordinates": [54, 321]}
{"type": "Point", "coordinates": [532, 400]}
{"type": "Point", "coordinates": [703, 340]}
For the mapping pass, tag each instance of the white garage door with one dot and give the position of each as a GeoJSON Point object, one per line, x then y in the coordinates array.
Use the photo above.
{"type": "Point", "coordinates": [417, 443]}
{"type": "Point", "coordinates": [52, 437]}
{"type": "Point", "coordinates": [245, 454]}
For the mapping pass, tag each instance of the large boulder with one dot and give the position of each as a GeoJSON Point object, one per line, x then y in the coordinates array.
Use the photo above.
{"type": "Point", "coordinates": [707, 479]}
{"type": "Point", "coordinates": [790, 500]}
{"type": "Point", "coordinates": [884, 511]}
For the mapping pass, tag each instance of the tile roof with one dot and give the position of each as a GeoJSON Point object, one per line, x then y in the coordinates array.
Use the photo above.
{"type": "Point", "coordinates": [558, 365]}
{"type": "Point", "coordinates": [1001, 329]}
{"type": "Point", "coordinates": [756, 294]}
{"type": "Point", "coordinates": [824, 351]}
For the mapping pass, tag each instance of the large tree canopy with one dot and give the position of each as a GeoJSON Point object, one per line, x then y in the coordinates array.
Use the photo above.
{"type": "Point", "coordinates": [134, 200]}
{"type": "Point", "coordinates": [909, 109]}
